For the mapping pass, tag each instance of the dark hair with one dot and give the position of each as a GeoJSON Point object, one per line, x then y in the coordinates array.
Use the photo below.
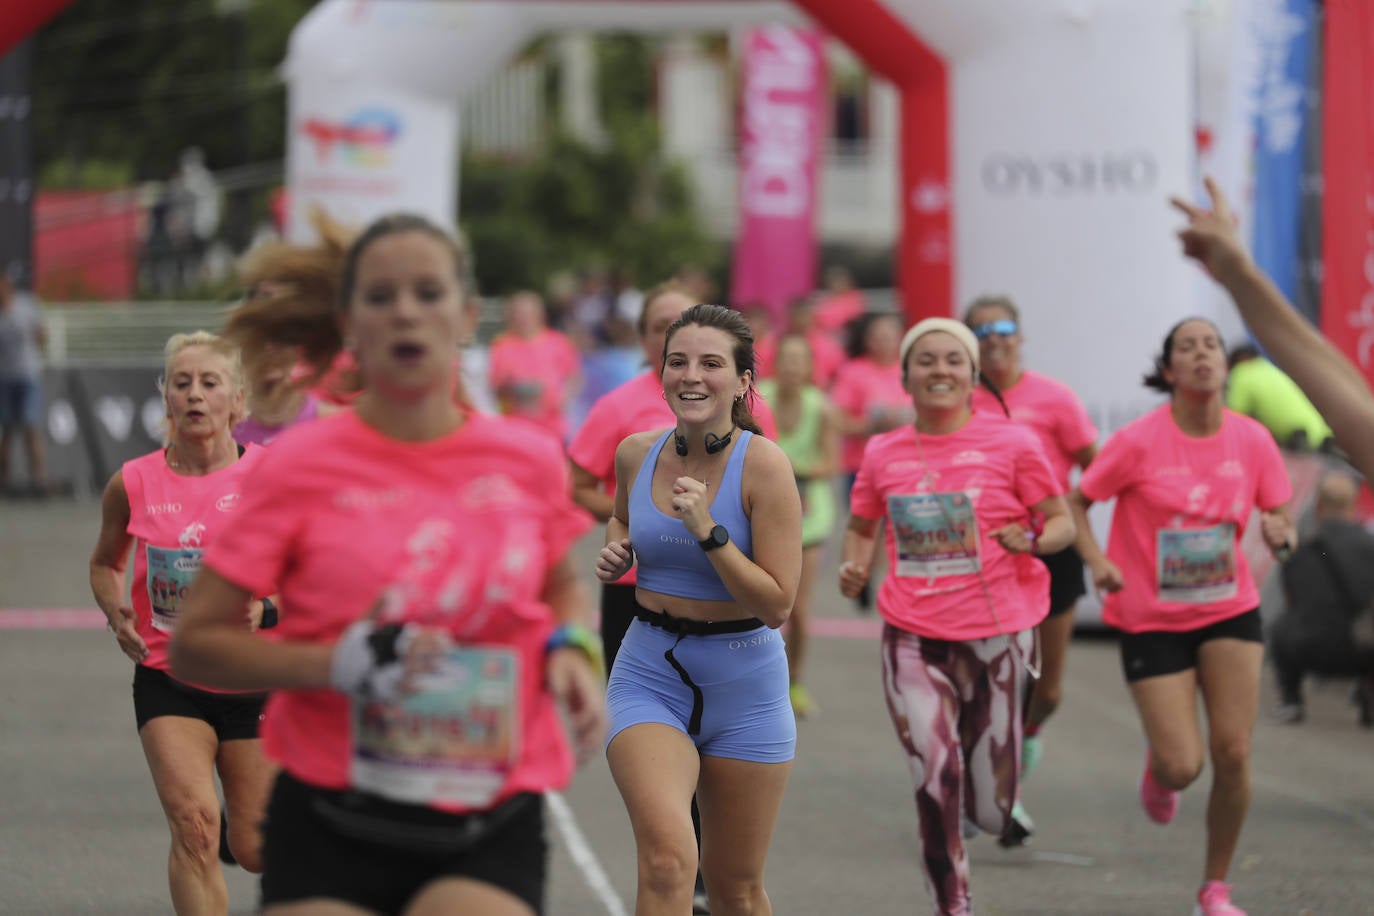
{"type": "Point", "coordinates": [1241, 353]}
{"type": "Point", "coordinates": [857, 329]}
{"type": "Point", "coordinates": [662, 289]}
{"type": "Point", "coordinates": [992, 301]}
{"type": "Point", "coordinates": [1156, 378]}
{"type": "Point", "coordinates": [391, 224]}
{"type": "Point", "coordinates": [732, 323]}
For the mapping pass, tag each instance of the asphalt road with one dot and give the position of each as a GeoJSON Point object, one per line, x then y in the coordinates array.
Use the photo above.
{"type": "Point", "coordinates": [81, 831]}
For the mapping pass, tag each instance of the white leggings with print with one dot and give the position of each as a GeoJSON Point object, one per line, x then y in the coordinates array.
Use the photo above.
{"type": "Point", "coordinates": [957, 710]}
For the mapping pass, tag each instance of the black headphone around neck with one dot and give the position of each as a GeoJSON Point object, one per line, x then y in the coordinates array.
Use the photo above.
{"type": "Point", "coordinates": [714, 443]}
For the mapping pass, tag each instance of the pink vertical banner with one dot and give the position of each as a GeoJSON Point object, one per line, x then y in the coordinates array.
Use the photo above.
{"type": "Point", "coordinates": [781, 122]}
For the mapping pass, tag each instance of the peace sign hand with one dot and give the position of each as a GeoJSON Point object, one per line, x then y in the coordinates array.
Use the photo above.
{"type": "Point", "coordinates": [1211, 237]}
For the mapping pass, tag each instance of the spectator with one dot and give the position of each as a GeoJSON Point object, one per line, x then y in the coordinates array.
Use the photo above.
{"type": "Point", "coordinates": [1261, 390]}
{"type": "Point", "coordinates": [1327, 582]}
{"type": "Point", "coordinates": [21, 394]}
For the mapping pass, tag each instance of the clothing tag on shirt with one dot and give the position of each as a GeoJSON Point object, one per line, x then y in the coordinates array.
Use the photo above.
{"type": "Point", "coordinates": [453, 741]}
{"type": "Point", "coordinates": [936, 534]}
{"type": "Point", "coordinates": [1196, 565]}
{"type": "Point", "coordinates": [170, 572]}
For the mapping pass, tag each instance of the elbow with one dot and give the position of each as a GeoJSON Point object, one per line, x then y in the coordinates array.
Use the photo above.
{"type": "Point", "coordinates": [774, 613]}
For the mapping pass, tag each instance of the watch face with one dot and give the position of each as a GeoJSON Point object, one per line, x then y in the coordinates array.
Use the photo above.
{"type": "Point", "coordinates": [719, 536]}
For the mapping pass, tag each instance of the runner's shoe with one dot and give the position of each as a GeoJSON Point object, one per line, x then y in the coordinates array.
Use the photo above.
{"type": "Point", "coordinates": [1160, 804]}
{"type": "Point", "coordinates": [1020, 828]}
{"type": "Point", "coordinates": [1215, 900]}
{"type": "Point", "coordinates": [802, 704]}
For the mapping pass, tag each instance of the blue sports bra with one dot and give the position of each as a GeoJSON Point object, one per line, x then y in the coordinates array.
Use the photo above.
{"type": "Point", "coordinates": [670, 559]}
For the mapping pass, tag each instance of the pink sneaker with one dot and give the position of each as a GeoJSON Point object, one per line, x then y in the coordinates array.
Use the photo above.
{"type": "Point", "coordinates": [1160, 804]}
{"type": "Point", "coordinates": [1215, 900]}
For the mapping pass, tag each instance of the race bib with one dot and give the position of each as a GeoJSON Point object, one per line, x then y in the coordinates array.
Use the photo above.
{"type": "Point", "coordinates": [453, 741]}
{"type": "Point", "coordinates": [1196, 565]}
{"type": "Point", "coordinates": [170, 572]}
{"type": "Point", "coordinates": [936, 534]}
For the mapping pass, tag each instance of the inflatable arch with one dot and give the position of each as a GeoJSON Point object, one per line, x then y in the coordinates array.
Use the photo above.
{"type": "Point", "coordinates": [1040, 141]}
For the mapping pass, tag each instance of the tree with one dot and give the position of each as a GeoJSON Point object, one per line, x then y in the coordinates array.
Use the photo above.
{"type": "Point", "coordinates": [574, 207]}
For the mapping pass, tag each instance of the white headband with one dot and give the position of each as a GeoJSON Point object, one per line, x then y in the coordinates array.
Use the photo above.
{"type": "Point", "coordinates": [957, 329]}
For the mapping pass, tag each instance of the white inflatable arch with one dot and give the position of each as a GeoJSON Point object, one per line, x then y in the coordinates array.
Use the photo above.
{"type": "Point", "coordinates": [1040, 141]}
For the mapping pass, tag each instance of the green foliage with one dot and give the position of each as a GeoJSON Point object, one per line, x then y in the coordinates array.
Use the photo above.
{"type": "Point", "coordinates": [574, 207]}
{"type": "Point", "coordinates": [87, 175]}
{"type": "Point", "coordinates": [134, 82]}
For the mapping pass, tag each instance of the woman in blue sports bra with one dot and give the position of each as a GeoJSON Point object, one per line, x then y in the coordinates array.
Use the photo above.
{"type": "Point", "coordinates": [698, 698]}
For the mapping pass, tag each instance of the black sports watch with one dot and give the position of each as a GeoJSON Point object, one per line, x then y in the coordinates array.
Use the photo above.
{"type": "Point", "coordinates": [718, 537]}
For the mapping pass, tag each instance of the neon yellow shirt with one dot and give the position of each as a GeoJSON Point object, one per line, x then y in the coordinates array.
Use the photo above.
{"type": "Point", "coordinates": [1261, 390]}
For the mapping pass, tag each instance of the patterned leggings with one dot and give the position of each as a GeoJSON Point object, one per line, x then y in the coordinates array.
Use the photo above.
{"type": "Point", "coordinates": [957, 710]}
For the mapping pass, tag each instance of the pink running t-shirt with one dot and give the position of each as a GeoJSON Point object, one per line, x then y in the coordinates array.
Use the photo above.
{"type": "Point", "coordinates": [826, 357]}
{"type": "Point", "coordinates": [529, 377]}
{"type": "Point", "coordinates": [174, 518]}
{"type": "Point", "coordinates": [861, 388]}
{"type": "Point", "coordinates": [637, 406]}
{"type": "Point", "coordinates": [942, 498]}
{"type": "Point", "coordinates": [1052, 411]}
{"type": "Point", "coordinates": [1182, 504]}
{"type": "Point", "coordinates": [460, 532]}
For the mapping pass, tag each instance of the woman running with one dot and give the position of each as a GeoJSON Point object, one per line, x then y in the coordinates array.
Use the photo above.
{"type": "Point", "coordinates": [1336, 387]}
{"type": "Point", "coordinates": [1186, 477]}
{"type": "Point", "coordinates": [433, 624]}
{"type": "Point", "coordinates": [808, 433]}
{"type": "Point", "coordinates": [534, 370]}
{"type": "Point", "coordinates": [170, 506]}
{"type": "Point", "coordinates": [1069, 439]}
{"type": "Point", "coordinates": [964, 591]}
{"type": "Point", "coordinates": [698, 696]}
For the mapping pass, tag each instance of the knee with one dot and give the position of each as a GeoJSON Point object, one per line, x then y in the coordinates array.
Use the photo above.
{"type": "Point", "coordinates": [1231, 755]}
{"type": "Point", "coordinates": [733, 894]}
{"type": "Point", "coordinates": [195, 834]}
{"type": "Point", "coordinates": [1175, 773]}
{"type": "Point", "coordinates": [666, 869]}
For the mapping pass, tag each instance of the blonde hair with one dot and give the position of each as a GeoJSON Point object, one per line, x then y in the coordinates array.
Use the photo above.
{"type": "Point", "coordinates": [215, 344]}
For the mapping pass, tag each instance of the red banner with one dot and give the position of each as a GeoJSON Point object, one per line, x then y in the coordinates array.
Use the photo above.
{"type": "Point", "coordinates": [782, 118]}
{"type": "Point", "coordinates": [1347, 311]}
{"type": "Point", "coordinates": [21, 18]}
{"type": "Point", "coordinates": [925, 257]}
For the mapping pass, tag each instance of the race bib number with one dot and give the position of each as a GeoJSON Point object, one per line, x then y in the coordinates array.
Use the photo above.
{"type": "Point", "coordinates": [170, 572]}
{"type": "Point", "coordinates": [936, 534]}
{"type": "Point", "coordinates": [1196, 565]}
{"type": "Point", "coordinates": [454, 740]}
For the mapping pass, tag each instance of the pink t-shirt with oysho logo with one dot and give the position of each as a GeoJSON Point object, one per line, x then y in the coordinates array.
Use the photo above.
{"type": "Point", "coordinates": [461, 533]}
{"type": "Point", "coordinates": [174, 518]}
{"type": "Point", "coordinates": [942, 496]}
{"type": "Point", "coordinates": [1182, 504]}
{"type": "Point", "coordinates": [1052, 411]}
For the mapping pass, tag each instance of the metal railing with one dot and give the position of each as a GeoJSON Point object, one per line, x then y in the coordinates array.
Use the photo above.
{"type": "Point", "coordinates": [134, 333]}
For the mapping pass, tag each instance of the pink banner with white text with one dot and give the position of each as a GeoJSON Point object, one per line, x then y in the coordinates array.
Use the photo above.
{"type": "Point", "coordinates": [782, 119]}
